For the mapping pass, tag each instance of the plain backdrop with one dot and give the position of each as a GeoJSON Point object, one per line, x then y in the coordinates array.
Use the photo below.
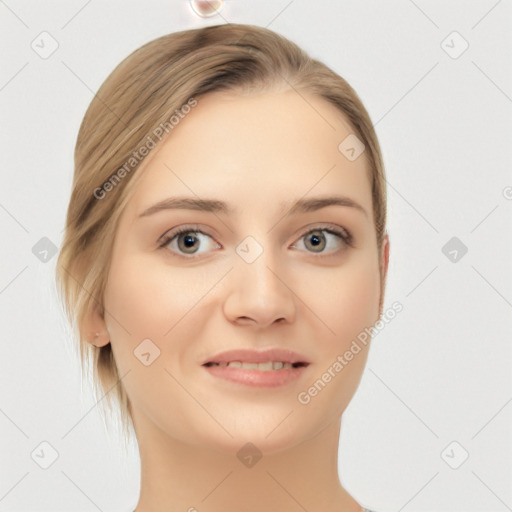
{"type": "Point", "coordinates": [429, 427]}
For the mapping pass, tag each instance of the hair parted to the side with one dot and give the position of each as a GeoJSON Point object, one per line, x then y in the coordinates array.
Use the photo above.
{"type": "Point", "coordinates": [141, 94]}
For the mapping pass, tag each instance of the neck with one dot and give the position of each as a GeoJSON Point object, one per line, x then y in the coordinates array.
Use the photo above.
{"type": "Point", "coordinates": [178, 476]}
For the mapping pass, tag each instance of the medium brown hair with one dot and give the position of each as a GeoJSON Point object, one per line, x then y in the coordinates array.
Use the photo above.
{"type": "Point", "coordinates": [140, 95]}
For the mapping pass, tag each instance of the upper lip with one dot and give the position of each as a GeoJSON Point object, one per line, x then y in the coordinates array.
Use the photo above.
{"type": "Point", "coordinates": [254, 356]}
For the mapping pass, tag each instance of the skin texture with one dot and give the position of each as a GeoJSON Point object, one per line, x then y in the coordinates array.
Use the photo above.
{"type": "Point", "coordinates": [252, 152]}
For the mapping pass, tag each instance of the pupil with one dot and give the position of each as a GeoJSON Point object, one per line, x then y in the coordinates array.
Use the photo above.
{"type": "Point", "coordinates": [315, 240]}
{"type": "Point", "coordinates": [188, 241]}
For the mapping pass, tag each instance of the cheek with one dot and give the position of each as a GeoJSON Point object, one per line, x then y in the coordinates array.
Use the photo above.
{"type": "Point", "coordinates": [145, 300]}
{"type": "Point", "coordinates": [349, 304]}
{"type": "Point", "coordinates": [347, 299]}
{"type": "Point", "coordinates": [136, 309]}
{"type": "Point", "coordinates": [146, 297]}
{"type": "Point", "coordinates": [358, 300]}
{"type": "Point", "coordinates": [130, 299]}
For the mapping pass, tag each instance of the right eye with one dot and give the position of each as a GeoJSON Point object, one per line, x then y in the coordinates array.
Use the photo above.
{"type": "Point", "coordinates": [184, 240]}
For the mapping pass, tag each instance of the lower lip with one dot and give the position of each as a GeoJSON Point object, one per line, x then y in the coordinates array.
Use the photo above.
{"type": "Point", "coordinates": [256, 378]}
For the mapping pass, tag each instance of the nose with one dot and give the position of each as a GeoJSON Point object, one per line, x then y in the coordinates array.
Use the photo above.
{"type": "Point", "coordinates": [260, 293]}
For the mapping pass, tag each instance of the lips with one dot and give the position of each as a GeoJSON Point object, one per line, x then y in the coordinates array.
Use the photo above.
{"type": "Point", "coordinates": [254, 356]}
{"type": "Point", "coordinates": [252, 368]}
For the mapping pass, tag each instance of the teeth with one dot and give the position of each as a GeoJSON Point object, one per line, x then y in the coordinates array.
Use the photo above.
{"type": "Point", "coordinates": [265, 367]}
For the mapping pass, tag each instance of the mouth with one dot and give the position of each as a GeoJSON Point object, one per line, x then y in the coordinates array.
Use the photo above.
{"type": "Point", "coordinates": [262, 367]}
{"type": "Point", "coordinates": [268, 368]}
{"type": "Point", "coordinates": [269, 374]}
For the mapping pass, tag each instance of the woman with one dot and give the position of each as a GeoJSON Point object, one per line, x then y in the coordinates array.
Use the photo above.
{"type": "Point", "coordinates": [225, 247]}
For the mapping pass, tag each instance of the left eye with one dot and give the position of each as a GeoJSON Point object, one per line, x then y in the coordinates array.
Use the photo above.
{"type": "Point", "coordinates": [318, 240]}
{"type": "Point", "coordinates": [315, 239]}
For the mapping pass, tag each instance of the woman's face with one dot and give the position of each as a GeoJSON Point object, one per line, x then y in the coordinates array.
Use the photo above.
{"type": "Point", "coordinates": [259, 275]}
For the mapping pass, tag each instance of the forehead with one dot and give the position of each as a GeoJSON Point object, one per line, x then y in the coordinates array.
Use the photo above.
{"type": "Point", "coordinates": [255, 149]}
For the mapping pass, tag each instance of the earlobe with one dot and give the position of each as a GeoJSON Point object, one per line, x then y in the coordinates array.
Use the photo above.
{"type": "Point", "coordinates": [99, 340]}
{"type": "Point", "coordinates": [95, 329]}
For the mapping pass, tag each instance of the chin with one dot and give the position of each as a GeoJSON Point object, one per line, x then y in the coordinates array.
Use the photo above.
{"type": "Point", "coordinates": [267, 439]}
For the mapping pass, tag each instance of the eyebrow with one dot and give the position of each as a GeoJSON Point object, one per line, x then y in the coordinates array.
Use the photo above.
{"type": "Point", "coordinates": [216, 206]}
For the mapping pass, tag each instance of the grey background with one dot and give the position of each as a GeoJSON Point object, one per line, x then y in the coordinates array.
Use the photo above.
{"type": "Point", "coordinates": [439, 372]}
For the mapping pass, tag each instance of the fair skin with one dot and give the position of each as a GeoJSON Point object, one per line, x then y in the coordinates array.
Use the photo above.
{"type": "Point", "coordinates": [252, 152]}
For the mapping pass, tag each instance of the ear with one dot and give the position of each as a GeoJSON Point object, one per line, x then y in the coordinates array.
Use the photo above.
{"type": "Point", "coordinates": [383, 263]}
{"type": "Point", "coordinates": [95, 328]}
{"type": "Point", "coordinates": [384, 260]}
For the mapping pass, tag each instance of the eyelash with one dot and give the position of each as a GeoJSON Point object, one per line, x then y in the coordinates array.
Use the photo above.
{"type": "Point", "coordinates": [342, 233]}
